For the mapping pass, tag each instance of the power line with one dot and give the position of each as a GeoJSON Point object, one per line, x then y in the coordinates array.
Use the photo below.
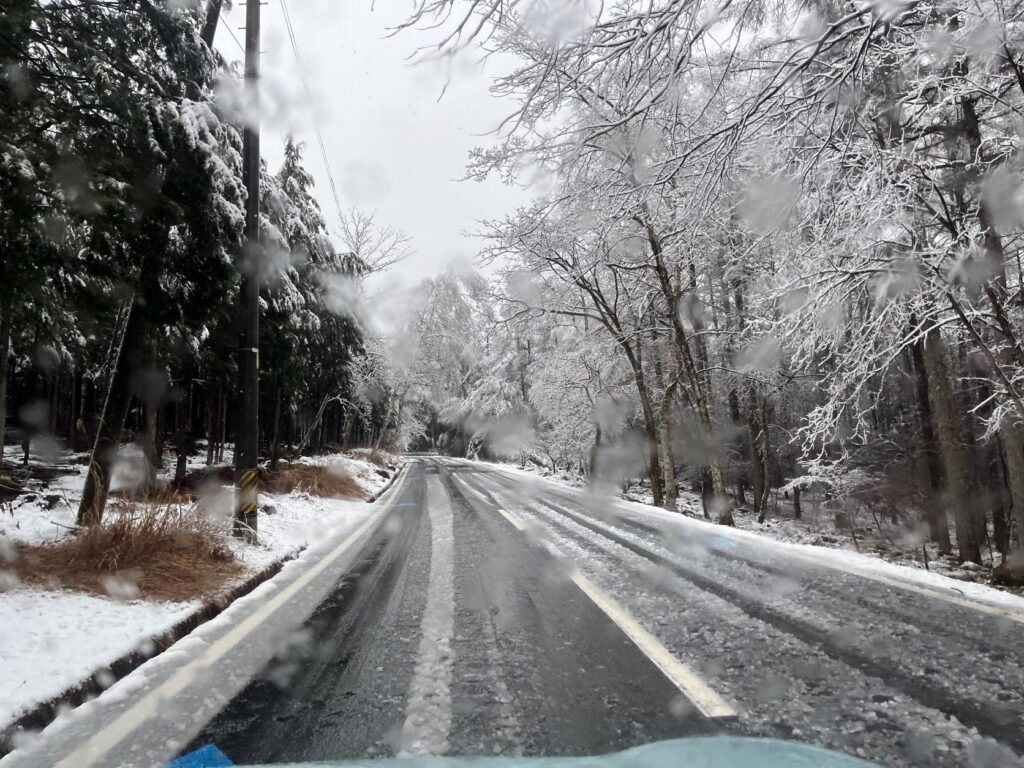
{"type": "Point", "coordinates": [309, 97]}
{"type": "Point", "coordinates": [234, 37]}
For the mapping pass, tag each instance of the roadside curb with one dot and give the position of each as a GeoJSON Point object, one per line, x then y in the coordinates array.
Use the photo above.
{"type": "Point", "coordinates": [43, 714]}
{"type": "Point", "coordinates": [387, 486]}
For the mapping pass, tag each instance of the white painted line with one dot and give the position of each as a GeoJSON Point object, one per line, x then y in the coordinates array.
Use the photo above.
{"type": "Point", "coordinates": [703, 697]}
{"type": "Point", "coordinates": [428, 711]}
{"type": "Point", "coordinates": [104, 740]}
{"type": "Point", "coordinates": [519, 524]}
{"type": "Point", "coordinates": [962, 602]}
{"type": "Point", "coordinates": [709, 703]}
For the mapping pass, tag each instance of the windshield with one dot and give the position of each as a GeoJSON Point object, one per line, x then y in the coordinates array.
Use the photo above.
{"type": "Point", "coordinates": [555, 379]}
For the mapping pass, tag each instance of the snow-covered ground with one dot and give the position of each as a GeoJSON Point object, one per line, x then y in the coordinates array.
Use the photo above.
{"type": "Point", "coordinates": [52, 640]}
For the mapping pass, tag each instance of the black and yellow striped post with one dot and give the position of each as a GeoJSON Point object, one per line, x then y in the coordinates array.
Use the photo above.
{"type": "Point", "coordinates": [246, 503]}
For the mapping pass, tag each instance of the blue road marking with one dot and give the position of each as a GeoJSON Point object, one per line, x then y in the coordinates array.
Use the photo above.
{"type": "Point", "coordinates": [209, 756]}
{"type": "Point", "coordinates": [719, 543]}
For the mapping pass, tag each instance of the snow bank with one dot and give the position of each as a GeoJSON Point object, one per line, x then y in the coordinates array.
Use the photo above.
{"type": "Point", "coordinates": [53, 640]}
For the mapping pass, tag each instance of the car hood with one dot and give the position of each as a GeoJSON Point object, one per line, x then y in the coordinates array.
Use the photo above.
{"type": "Point", "coordinates": [702, 752]}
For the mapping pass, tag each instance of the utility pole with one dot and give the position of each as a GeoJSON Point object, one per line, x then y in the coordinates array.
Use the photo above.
{"type": "Point", "coordinates": [247, 429]}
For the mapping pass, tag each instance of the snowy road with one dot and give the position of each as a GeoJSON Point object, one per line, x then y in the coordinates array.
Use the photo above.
{"type": "Point", "coordinates": [501, 653]}
{"type": "Point", "coordinates": [805, 649]}
{"type": "Point", "coordinates": [489, 613]}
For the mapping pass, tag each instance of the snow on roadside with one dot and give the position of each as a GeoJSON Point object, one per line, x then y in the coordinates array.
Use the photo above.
{"type": "Point", "coordinates": [290, 523]}
{"type": "Point", "coordinates": [843, 559]}
{"type": "Point", "coordinates": [52, 640]}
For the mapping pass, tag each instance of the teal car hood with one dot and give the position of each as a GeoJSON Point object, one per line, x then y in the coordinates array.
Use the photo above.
{"type": "Point", "coordinates": [701, 752]}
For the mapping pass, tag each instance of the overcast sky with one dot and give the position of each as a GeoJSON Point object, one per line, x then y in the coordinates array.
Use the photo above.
{"type": "Point", "coordinates": [393, 147]}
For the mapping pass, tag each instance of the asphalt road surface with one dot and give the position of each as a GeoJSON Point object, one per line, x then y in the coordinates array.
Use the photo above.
{"type": "Point", "coordinates": [456, 635]}
{"type": "Point", "coordinates": [479, 612]}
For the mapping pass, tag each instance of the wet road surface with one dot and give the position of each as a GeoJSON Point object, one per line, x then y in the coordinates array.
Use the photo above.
{"type": "Point", "coordinates": [799, 650]}
{"type": "Point", "coordinates": [532, 666]}
{"type": "Point", "coordinates": [478, 611]}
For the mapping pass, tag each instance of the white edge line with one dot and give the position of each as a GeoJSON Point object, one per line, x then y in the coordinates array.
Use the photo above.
{"type": "Point", "coordinates": [706, 700]}
{"type": "Point", "coordinates": [115, 732]}
{"type": "Point", "coordinates": [898, 583]}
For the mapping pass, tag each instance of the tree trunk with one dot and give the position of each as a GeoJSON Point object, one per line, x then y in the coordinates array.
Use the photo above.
{"type": "Point", "coordinates": [89, 415]}
{"type": "Point", "coordinates": [665, 434]}
{"type": "Point", "coordinates": [975, 456]}
{"type": "Point", "coordinates": [668, 464]}
{"type": "Point", "coordinates": [222, 417]}
{"type": "Point", "coordinates": [149, 438]}
{"type": "Point", "coordinates": [275, 447]}
{"type": "Point", "coordinates": [5, 349]}
{"type": "Point", "coordinates": [797, 512]}
{"type": "Point", "coordinates": [698, 328]}
{"type": "Point", "coordinates": [73, 405]}
{"type": "Point", "coordinates": [115, 410]}
{"type": "Point", "coordinates": [152, 396]}
{"type": "Point", "coordinates": [315, 425]}
{"type": "Point", "coordinates": [595, 452]}
{"type": "Point", "coordinates": [1013, 447]}
{"type": "Point", "coordinates": [647, 410]}
{"type": "Point", "coordinates": [349, 426]}
{"type": "Point", "coordinates": [707, 492]}
{"type": "Point", "coordinates": [938, 525]}
{"type": "Point", "coordinates": [737, 421]}
{"type": "Point", "coordinates": [694, 378]}
{"type": "Point", "coordinates": [386, 424]}
{"type": "Point", "coordinates": [183, 428]}
{"type": "Point", "coordinates": [754, 451]}
{"type": "Point", "coordinates": [209, 424]}
{"type": "Point", "coordinates": [764, 449]}
{"type": "Point", "coordinates": [996, 291]}
{"type": "Point", "coordinates": [947, 421]}
{"type": "Point", "coordinates": [1001, 499]}
{"type": "Point", "coordinates": [51, 424]}
{"type": "Point", "coordinates": [650, 428]}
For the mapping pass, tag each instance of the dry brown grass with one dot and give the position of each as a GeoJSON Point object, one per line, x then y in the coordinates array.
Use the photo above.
{"type": "Point", "coordinates": [169, 552]}
{"type": "Point", "coordinates": [166, 495]}
{"type": "Point", "coordinates": [328, 481]}
{"type": "Point", "coordinates": [317, 480]}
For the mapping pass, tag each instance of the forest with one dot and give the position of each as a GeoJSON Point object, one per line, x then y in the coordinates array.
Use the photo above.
{"type": "Point", "coordinates": [770, 247]}
{"type": "Point", "coordinates": [776, 246]}
{"type": "Point", "coordinates": [121, 234]}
